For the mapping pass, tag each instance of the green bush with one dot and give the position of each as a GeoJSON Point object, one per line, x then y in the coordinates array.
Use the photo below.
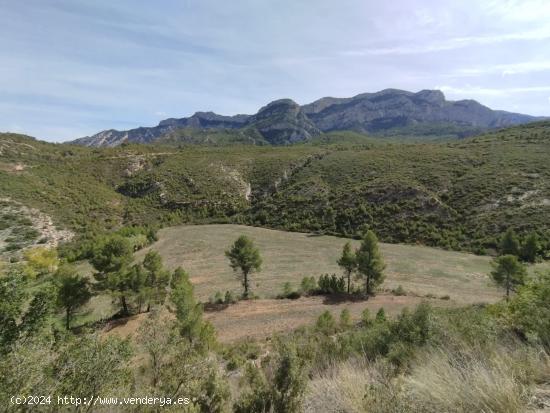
{"type": "Point", "coordinates": [308, 286]}
{"type": "Point", "coordinates": [399, 291]}
{"type": "Point", "coordinates": [289, 293]}
{"type": "Point", "coordinates": [331, 284]}
{"type": "Point", "coordinates": [229, 298]}
{"type": "Point", "coordinates": [325, 323]}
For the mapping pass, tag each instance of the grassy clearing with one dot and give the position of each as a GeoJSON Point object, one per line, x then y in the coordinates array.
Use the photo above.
{"type": "Point", "coordinates": [290, 256]}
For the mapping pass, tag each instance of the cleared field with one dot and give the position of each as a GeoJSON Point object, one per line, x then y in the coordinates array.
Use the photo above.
{"type": "Point", "coordinates": [289, 256]}
{"type": "Point", "coordinates": [263, 318]}
{"type": "Point", "coordinates": [425, 273]}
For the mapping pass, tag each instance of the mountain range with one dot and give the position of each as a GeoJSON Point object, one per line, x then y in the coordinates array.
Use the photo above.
{"type": "Point", "coordinates": [390, 112]}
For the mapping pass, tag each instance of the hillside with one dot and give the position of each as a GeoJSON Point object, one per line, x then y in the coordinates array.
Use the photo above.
{"type": "Point", "coordinates": [389, 112]}
{"type": "Point", "coordinates": [456, 195]}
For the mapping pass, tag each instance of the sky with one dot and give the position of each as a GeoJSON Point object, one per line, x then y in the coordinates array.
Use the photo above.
{"type": "Point", "coordinates": [71, 68]}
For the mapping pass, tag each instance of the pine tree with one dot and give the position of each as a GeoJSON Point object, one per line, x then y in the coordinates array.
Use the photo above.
{"type": "Point", "coordinates": [508, 272]}
{"type": "Point", "coordinates": [530, 248]}
{"type": "Point", "coordinates": [157, 278]}
{"type": "Point", "coordinates": [370, 265]}
{"type": "Point", "coordinates": [244, 257]}
{"type": "Point", "coordinates": [348, 262]}
{"type": "Point", "coordinates": [111, 259]}
{"type": "Point", "coordinates": [509, 244]}
{"type": "Point", "coordinates": [189, 313]}
{"type": "Point", "coordinates": [73, 291]}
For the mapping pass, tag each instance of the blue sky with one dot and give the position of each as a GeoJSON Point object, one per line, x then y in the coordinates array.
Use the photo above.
{"type": "Point", "coordinates": [70, 68]}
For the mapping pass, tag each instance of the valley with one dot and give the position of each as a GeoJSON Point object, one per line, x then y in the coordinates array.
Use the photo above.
{"type": "Point", "coordinates": [425, 274]}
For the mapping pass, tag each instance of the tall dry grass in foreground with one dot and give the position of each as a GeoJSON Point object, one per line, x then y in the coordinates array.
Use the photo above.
{"type": "Point", "coordinates": [495, 379]}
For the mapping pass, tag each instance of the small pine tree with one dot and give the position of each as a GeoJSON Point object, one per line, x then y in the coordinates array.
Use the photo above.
{"type": "Point", "coordinates": [509, 244]}
{"type": "Point", "coordinates": [365, 317]}
{"type": "Point", "coordinates": [530, 248]}
{"type": "Point", "coordinates": [289, 383]}
{"type": "Point", "coordinates": [157, 279]}
{"type": "Point", "coordinates": [508, 272]}
{"type": "Point", "coordinates": [325, 323]}
{"type": "Point", "coordinates": [199, 333]}
{"type": "Point", "coordinates": [218, 297]}
{"type": "Point", "coordinates": [308, 285]}
{"type": "Point", "coordinates": [370, 265]}
{"type": "Point", "coordinates": [380, 315]}
{"type": "Point", "coordinates": [111, 258]}
{"type": "Point", "coordinates": [287, 289]}
{"type": "Point", "coordinates": [72, 293]}
{"type": "Point", "coordinates": [348, 263]}
{"type": "Point", "coordinates": [345, 319]}
{"type": "Point", "coordinates": [229, 298]}
{"type": "Point", "coordinates": [244, 257]}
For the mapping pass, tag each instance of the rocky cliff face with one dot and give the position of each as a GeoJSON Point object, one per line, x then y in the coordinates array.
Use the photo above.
{"type": "Point", "coordinates": [200, 120]}
{"type": "Point", "coordinates": [375, 112]}
{"type": "Point", "coordinates": [284, 122]}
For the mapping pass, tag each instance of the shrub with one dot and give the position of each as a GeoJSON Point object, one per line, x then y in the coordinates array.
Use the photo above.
{"type": "Point", "coordinates": [345, 319]}
{"type": "Point", "coordinates": [399, 291]}
{"type": "Point", "coordinates": [294, 295]}
{"type": "Point", "coordinates": [325, 323]}
{"type": "Point", "coordinates": [289, 293]}
{"type": "Point", "coordinates": [331, 284]}
{"type": "Point", "coordinates": [530, 310]}
{"type": "Point", "coordinates": [217, 299]}
{"type": "Point", "coordinates": [365, 317]}
{"type": "Point", "coordinates": [308, 286]}
{"type": "Point", "coordinates": [229, 298]}
{"type": "Point", "coordinates": [380, 315]}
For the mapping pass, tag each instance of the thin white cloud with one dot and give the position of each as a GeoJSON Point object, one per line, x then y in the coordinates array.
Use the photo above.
{"type": "Point", "coordinates": [452, 43]}
{"type": "Point", "coordinates": [506, 69]}
{"type": "Point", "coordinates": [484, 91]}
{"type": "Point", "coordinates": [518, 10]}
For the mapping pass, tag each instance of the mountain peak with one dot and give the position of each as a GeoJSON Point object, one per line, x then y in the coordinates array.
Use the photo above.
{"type": "Point", "coordinates": [283, 121]}
{"type": "Point", "coordinates": [431, 96]}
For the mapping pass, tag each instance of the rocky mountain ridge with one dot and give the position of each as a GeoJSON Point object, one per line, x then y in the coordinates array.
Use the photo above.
{"type": "Point", "coordinates": [284, 122]}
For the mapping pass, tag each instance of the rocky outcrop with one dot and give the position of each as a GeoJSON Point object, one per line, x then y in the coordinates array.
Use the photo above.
{"type": "Point", "coordinates": [283, 122]}
{"type": "Point", "coordinates": [391, 108]}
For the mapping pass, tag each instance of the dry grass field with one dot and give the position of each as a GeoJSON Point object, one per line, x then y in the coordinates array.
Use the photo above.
{"type": "Point", "coordinates": [425, 273]}
{"type": "Point", "coordinates": [289, 256]}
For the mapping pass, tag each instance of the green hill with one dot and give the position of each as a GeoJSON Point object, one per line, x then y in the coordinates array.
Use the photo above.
{"type": "Point", "coordinates": [457, 195]}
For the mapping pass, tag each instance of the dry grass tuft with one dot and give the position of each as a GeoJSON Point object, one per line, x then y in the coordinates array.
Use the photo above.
{"type": "Point", "coordinates": [498, 380]}
{"type": "Point", "coordinates": [495, 379]}
{"type": "Point", "coordinates": [340, 389]}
